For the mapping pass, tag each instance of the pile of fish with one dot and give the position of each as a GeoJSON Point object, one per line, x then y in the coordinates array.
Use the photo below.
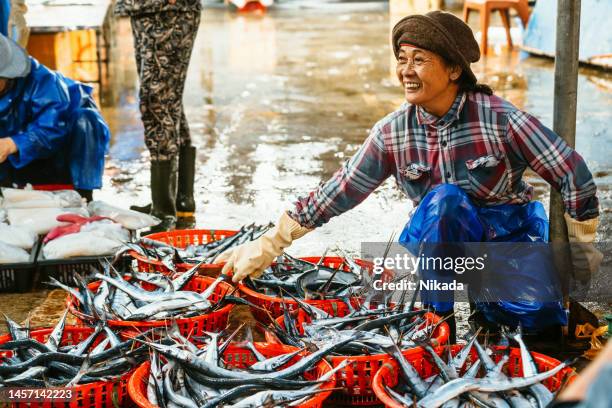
{"type": "Point", "coordinates": [482, 384]}
{"type": "Point", "coordinates": [204, 253]}
{"type": "Point", "coordinates": [183, 375]}
{"type": "Point", "coordinates": [307, 280]}
{"type": "Point", "coordinates": [102, 356]}
{"type": "Point", "coordinates": [122, 297]}
{"type": "Point", "coordinates": [375, 327]}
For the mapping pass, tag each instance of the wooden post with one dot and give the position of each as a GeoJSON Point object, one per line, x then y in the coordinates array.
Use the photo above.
{"type": "Point", "coordinates": [564, 116]}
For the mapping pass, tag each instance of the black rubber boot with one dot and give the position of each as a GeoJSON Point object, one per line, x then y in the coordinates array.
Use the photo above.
{"type": "Point", "coordinates": [185, 203]}
{"type": "Point", "coordinates": [143, 209]}
{"type": "Point", "coordinates": [164, 175]}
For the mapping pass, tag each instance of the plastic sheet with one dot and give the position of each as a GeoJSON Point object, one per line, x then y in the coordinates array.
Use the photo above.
{"type": "Point", "coordinates": [447, 214]}
{"type": "Point", "coordinates": [131, 220]}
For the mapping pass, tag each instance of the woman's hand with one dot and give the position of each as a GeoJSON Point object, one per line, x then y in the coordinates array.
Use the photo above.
{"type": "Point", "coordinates": [585, 257]}
{"type": "Point", "coordinates": [252, 258]}
{"type": "Point", "coordinates": [7, 147]}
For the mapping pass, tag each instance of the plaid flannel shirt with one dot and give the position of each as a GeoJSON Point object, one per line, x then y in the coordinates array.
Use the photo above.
{"type": "Point", "coordinates": [483, 144]}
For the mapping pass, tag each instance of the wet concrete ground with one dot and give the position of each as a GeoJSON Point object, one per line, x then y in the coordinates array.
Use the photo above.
{"type": "Point", "coordinates": [277, 102]}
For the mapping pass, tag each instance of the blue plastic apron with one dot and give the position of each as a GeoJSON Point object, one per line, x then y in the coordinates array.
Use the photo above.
{"type": "Point", "coordinates": [447, 215]}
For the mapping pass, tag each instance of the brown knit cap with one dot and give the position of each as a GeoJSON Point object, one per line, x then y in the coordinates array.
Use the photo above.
{"type": "Point", "coordinates": [439, 32]}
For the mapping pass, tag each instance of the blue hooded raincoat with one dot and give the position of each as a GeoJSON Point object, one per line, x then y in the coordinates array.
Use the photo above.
{"type": "Point", "coordinates": [60, 134]}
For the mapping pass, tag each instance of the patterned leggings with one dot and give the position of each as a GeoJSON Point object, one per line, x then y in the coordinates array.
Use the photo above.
{"type": "Point", "coordinates": [163, 43]}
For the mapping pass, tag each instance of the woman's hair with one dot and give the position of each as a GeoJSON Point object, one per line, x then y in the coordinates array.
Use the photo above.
{"type": "Point", "coordinates": [468, 85]}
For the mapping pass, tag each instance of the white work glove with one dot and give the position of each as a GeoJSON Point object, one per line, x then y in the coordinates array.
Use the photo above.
{"type": "Point", "coordinates": [252, 258]}
{"type": "Point", "coordinates": [585, 257]}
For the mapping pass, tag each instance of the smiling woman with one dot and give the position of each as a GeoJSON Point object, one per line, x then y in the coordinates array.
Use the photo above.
{"type": "Point", "coordinates": [428, 80]}
{"type": "Point", "coordinates": [459, 152]}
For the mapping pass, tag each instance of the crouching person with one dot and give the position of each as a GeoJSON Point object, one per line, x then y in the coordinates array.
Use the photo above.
{"type": "Point", "coordinates": [51, 132]}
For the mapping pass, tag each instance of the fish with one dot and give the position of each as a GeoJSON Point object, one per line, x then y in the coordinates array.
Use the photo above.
{"type": "Point", "coordinates": [492, 389]}
{"type": "Point", "coordinates": [182, 376]}
{"type": "Point", "coordinates": [51, 363]}
{"type": "Point", "coordinates": [122, 297]}
{"type": "Point", "coordinates": [375, 328]}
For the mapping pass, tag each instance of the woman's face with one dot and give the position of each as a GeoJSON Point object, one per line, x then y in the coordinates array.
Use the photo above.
{"type": "Point", "coordinates": [426, 78]}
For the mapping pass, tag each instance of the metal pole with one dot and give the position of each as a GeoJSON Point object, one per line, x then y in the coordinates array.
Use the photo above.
{"type": "Point", "coordinates": [566, 91]}
{"type": "Point", "coordinates": [564, 123]}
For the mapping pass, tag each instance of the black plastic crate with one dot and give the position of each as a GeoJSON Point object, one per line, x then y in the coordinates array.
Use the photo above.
{"type": "Point", "coordinates": [17, 278]}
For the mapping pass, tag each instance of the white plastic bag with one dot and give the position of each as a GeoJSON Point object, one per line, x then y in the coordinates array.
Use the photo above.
{"type": "Point", "coordinates": [24, 198]}
{"type": "Point", "coordinates": [89, 243]}
{"type": "Point", "coordinates": [39, 220]}
{"type": "Point", "coordinates": [20, 237]}
{"type": "Point", "coordinates": [107, 229]}
{"type": "Point", "coordinates": [131, 220]}
{"type": "Point", "coordinates": [12, 254]}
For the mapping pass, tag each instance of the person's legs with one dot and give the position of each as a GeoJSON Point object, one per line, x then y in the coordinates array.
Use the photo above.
{"type": "Point", "coordinates": [159, 40]}
{"type": "Point", "coordinates": [89, 139]}
{"type": "Point", "coordinates": [185, 202]}
{"type": "Point", "coordinates": [163, 45]}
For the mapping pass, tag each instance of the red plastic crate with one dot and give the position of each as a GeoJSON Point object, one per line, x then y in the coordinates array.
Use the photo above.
{"type": "Point", "coordinates": [242, 358]}
{"type": "Point", "coordinates": [182, 239]}
{"type": "Point", "coordinates": [102, 394]}
{"type": "Point", "coordinates": [190, 326]}
{"type": "Point", "coordinates": [388, 373]}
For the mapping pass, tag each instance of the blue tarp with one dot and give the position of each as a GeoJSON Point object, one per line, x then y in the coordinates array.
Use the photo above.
{"type": "Point", "coordinates": [595, 32]}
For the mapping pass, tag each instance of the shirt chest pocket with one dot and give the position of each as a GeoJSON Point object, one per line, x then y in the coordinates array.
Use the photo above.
{"type": "Point", "coordinates": [488, 176]}
{"type": "Point", "coordinates": [415, 179]}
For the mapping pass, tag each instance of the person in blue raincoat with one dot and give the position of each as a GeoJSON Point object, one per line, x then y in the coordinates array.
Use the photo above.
{"type": "Point", "coordinates": [459, 153]}
{"type": "Point", "coordinates": [51, 132]}
{"type": "Point", "coordinates": [5, 8]}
